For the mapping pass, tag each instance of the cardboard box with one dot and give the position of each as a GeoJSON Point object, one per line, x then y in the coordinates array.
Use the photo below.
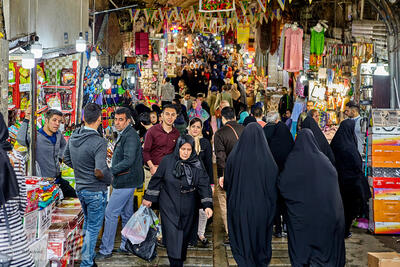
{"type": "Point", "coordinates": [39, 251]}
{"type": "Point", "coordinates": [44, 220]}
{"type": "Point", "coordinates": [384, 210]}
{"type": "Point", "coordinates": [385, 140]}
{"type": "Point", "coordinates": [386, 193]}
{"type": "Point", "coordinates": [385, 228]}
{"type": "Point", "coordinates": [384, 182]}
{"type": "Point", "coordinates": [385, 153]}
{"type": "Point", "coordinates": [383, 259]}
{"type": "Point", "coordinates": [31, 225]}
{"type": "Point", "coordinates": [385, 117]}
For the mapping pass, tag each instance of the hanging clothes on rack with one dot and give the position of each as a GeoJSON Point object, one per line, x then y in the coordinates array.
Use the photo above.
{"type": "Point", "coordinates": [293, 49]}
{"type": "Point", "coordinates": [281, 49]}
{"type": "Point", "coordinates": [317, 44]}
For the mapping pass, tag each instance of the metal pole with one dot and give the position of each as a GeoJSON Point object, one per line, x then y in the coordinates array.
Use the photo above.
{"type": "Point", "coordinates": [113, 10]}
{"type": "Point", "coordinates": [79, 100]}
{"type": "Point", "coordinates": [32, 125]}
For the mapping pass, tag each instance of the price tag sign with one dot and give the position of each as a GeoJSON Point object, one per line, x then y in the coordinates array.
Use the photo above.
{"type": "Point", "coordinates": [25, 87]}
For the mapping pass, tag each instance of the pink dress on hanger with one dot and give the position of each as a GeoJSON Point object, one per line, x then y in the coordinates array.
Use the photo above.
{"type": "Point", "coordinates": [293, 50]}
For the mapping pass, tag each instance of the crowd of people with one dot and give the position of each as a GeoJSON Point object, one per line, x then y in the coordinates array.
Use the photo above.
{"type": "Point", "coordinates": [269, 181]}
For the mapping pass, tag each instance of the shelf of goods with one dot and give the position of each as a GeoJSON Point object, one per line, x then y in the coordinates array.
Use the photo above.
{"type": "Point", "coordinates": [384, 180]}
{"type": "Point", "coordinates": [53, 227]}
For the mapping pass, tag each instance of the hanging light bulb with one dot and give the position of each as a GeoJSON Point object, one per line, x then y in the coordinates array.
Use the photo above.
{"type": "Point", "coordinates": [93, 62]}
{"type": "Point", "coordinates": [37, 49]}
{"type": "Point", "coordinates": [28, 60]}
{"type": "Point", "coordinates": [80, 44]}
{"type": "Point", "coordinates": [106, 82]}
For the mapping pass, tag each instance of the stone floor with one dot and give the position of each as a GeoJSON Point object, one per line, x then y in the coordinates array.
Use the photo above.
{"type": "Point", "coordinates": [357, 248]}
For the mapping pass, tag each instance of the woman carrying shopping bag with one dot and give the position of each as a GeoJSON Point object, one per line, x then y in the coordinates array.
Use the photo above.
{"type": "Point", "coordinates": [180, 186]}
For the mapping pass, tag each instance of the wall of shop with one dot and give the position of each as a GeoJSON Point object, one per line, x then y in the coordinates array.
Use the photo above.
{"type": "Point", "coordinates": [3, 77]}
{"type": "Point", "coordinates": [52, 15]}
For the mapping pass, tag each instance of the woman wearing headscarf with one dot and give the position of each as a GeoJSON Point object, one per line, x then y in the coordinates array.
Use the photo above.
{"type": "Point", "coordinates": [309, 123]}
{"type": "Point", "coordinates": [353, 185]}
{"type": "Point", "coordinates": [196, 111]}
{"type": "Point", "coordinates": [310, 189]}
{"type": "Point", "coordinates": [180, 185]}
{"type": "Point", "coordinates": [250, 184]}
{"type": "Point", "coordinates": [13, 197]}
{"type": "Point", "coordinates": [204, 152]}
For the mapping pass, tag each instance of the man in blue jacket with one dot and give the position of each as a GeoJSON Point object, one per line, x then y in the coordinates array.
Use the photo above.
{"type": "Point", "coordinates": [127, 169]}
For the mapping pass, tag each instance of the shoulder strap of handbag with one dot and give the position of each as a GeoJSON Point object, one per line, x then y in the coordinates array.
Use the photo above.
{"type": "Point", "coordinates": [237, 137]}
{"type": "Point", "coordinates": [3, 201]}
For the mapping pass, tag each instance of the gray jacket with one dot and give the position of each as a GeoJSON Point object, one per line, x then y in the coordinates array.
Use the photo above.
{"type": "Point", "coordinates": [242, 91]}
{"type": "Point", "coordinates": [47, 155]}
{"type": "Point", "coordinates": [85, 152]}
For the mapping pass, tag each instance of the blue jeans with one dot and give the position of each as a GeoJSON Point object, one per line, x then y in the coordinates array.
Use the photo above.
{"type": "Point", "coordinates": [93, 206]}
{"type": "Point", "coordinates": [120, 203]}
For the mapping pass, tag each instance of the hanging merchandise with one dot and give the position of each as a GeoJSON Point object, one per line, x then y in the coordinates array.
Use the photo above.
{"type": "Point", "coordinates": [293, 48]}
{"type": "Point", "coordinates": [243, 34]}
{"type": "Point", "coordinates": [141, 43]}
{"type": "Point", "coordinates": [216, 6]}
{"type": "Point", "coordinates": [317, 46]}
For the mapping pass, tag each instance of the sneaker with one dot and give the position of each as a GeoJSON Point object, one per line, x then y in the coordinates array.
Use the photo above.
{"type": "Point", "coordinates": [100, 256]}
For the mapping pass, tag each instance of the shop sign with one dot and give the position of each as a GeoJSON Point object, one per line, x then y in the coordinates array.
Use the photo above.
{"type": "Point", "coordinates": [25, 87]}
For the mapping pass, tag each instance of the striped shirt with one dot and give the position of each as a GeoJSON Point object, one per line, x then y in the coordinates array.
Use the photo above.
{"type": "Point", "coordinates": [15, 207]}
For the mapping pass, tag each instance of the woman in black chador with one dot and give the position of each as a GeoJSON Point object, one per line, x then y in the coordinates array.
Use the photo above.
{"type": "Point", "coordinates": [319, 136]}
{"type": "Point", "coordinates": [250, 184]}
{"type": "Point", "coordinates": [180, 185]}
{"type": "Point", "coordinates": [353, 184]}
{"type": "Point", "coordinates": [309, 186]}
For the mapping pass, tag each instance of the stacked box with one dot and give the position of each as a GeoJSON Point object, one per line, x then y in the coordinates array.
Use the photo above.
{"type": "Point", "coordinates": [384, 162]}
{"type": "Point", "coordinates": [65, 233]}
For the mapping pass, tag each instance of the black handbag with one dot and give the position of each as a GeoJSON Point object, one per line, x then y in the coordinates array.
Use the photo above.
{"type": "Point", "coordinates": [5, 259]}
{"type": "Point", "coordinates": [147, 250]}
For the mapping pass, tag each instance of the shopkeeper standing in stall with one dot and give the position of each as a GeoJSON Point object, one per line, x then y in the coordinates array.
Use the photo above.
{"type": "Point", "coordinates": [50, 145]}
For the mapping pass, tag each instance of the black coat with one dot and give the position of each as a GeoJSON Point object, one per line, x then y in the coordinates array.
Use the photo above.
{"type": "Point", "coordinates": [323, 144]}
{"type": "Point", "coordinates": [178, 207]}
{"type": "Point", "coordinates": [280, 141]}
{"type": "Point", "coordinates": [205, 156]}
{"type": "Point", "coordinates": [8, 180]}
{"type": "Point", "coordinates": [250, 184]}
{"type": "Point", "coordinates": [309, 186]}
{"type": "Point", "coordinates": [353, 183]}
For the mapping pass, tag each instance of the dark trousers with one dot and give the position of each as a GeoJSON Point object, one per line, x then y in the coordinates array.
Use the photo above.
{"type": "Point", "coordinates": [175, 262]}
{"type": "Point", "coordinates": [66, 188]}
{"type": "Point", "coordinates": [280, 211]}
